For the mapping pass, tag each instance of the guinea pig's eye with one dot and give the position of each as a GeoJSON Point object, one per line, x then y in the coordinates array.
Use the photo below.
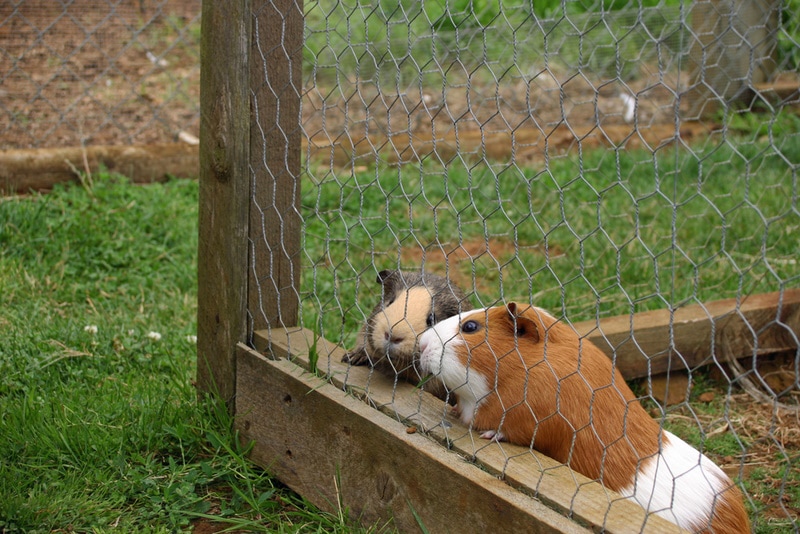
{"type": "Point", "coordinates": [470, 326]}
{"type": "Point", "coordinates": [431, 320]}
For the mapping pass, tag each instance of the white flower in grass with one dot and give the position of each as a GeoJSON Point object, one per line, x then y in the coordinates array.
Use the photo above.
{"type": "Point", "coordinates": [91, 329]}
{"type": "Point", "coordinates": [191, 339]}
{"type": "Point", "coordinates": [155, 336]}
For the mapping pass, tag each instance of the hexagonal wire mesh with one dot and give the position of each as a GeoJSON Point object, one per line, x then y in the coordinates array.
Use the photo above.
{"type": "Point", "coordinates": [597, 160]}
{"type": "Point", "coordinates": [548, 156]}
{"type": "Point", "coordinates": [81, 72]}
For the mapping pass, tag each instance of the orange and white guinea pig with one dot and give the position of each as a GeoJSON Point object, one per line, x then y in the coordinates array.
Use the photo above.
{"type": "Point", "coordinates": [520, 375]}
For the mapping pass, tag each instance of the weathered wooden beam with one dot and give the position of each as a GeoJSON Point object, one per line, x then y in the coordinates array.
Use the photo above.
{"type": "Point", "coordinates": [224, 193]}
{"type": "Point", "coordinates": [654, 342]}
{"type": "Point", "coordinates": [309, 433]}
{"type": "Point", "coordinates": [276, 55]}
{"type": "Point", "coordinates": [39, 169]}
{"type": "Point", "coordinates": [779, 92]}
{"type": "Point", "coordinates": [341, 454]}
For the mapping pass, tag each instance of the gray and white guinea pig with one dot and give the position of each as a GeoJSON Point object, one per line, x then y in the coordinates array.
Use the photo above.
{"type": "Point", "coordinates": [520, 375]}
{"type": "Point", "coordinates": [411, 303]}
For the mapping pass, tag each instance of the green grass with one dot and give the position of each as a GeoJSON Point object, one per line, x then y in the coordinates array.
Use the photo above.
{"type": "Point", "coordinates": [360, 40]}
{"type": "Point", "coordinates": [345, 41]}
{"type": "Point", "coordinates": [603, 233]}
{"type": "Point", "coordinates": [779, 488]}
{"type": "Point", "coordinates": [103, 431]}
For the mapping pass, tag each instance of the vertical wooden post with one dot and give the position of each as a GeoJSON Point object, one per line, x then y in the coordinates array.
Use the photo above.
{"type": "Point", "coordinates": [275, 222]}
{"type": "Point", "coordinates": [733, 49]}
{"type": "Point", "coordinates": [224, 193]}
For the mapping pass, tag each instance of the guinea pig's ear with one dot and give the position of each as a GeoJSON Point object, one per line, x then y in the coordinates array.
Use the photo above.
{"type": "Point", "coordinates": [389, 280]}
{"type": "Point", "coordinates": [383, 275]}
{"type": "Point", "coordinates": [524, 325]}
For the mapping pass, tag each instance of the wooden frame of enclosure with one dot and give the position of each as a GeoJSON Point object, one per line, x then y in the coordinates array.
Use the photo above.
{"type": "Point", "coordinates": [381, 459]}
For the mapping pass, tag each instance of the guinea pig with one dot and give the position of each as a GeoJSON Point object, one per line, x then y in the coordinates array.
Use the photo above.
{"type": "Point", "coordinates": [520, 375]}
{"type": "Point", "coordinates": [412, 302]}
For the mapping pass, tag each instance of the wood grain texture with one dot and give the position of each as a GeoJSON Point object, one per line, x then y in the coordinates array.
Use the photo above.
{"type": "Point", "coordinates": [275, 147]}
{"type": "Point", "coordinates": [654, 342]}
{"type": "Point", "coordinates": [338, 452]}
{"type": "Point", "coordinates": [529, 472]}
{"type": "Point", "coordinates": [39, 169]}
{"type": "Point", "coordinates": [224, 193]}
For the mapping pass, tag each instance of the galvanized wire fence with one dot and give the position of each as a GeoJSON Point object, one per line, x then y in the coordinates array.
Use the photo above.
{"type": "Point", "coordinates": [598, 161]}
{"type": "Point", "coordinates": [77, 73]}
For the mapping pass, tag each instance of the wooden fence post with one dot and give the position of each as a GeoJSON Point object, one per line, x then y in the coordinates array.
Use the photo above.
{"type": "Point", "coordinates": [733, 49]}
{"type": "Point", "coordinates": [250, 146]}
{"type": "Point", "coordinates": [275, 145]}
{"type": "Point", "coordinates": [224, 193]}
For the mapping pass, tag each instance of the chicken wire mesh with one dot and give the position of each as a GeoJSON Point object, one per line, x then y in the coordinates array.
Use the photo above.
{"type": "Point", "coordinates": [545, 154]}
{"type": "Point", "coordinates": [596, 160]}
{"type": "Point", "coordinates": [77, 72]}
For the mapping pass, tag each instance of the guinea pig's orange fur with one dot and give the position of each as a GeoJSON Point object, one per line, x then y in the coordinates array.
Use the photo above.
{"type": "Point", "coordinates": [545, 400]}
{"type": "Point", "coordinates": [561, 393]}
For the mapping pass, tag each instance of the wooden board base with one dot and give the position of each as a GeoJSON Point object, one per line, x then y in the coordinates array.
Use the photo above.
{"type": "Point", "coordinates": [649, 343]}
{"type": "Point", "coordinates": [26, 170]}
{"type": "Point", "coordinates": [329, 441]}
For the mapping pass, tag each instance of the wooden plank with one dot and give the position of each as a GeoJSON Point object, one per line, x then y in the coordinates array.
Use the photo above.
{"type": "Point", "coordinates": [654, 342]}
{"type": "Point", "coordinates": [224, 193]}
{"type": "Point", "coordinates": [343, 455]}
{"type": "Point", "coordinates": [527, 471]}
{"type": "Point", "coordinates": [779, 92]}
{"type": "Point", "coordinates": [275, 147]}
{"type": "Point", "coordinates": [39, 169]}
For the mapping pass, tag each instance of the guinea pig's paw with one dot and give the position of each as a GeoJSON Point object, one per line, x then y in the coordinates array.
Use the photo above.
{"type": "Point", "coordinates": [455, 410]}
{"type": "Point", "coordinates": [492, 435]}
{"type": "Point", "coordinates": [356, 357]}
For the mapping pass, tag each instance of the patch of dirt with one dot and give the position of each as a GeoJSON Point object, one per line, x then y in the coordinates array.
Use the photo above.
{"type": "Point", "coordinates": [89, 73]}
{"type": "Point", "coordinates": [455, 260]}
{"type": "Point", "coordinates": [129, 73]}
{"type": "Point", "coordinates": [491, 120]}
{"type": "Point", "coordinates": [206, 526]}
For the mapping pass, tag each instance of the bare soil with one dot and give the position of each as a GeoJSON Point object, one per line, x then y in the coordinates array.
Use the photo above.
{"type": "Point", "coordinates": [129, 73]}
{"type": "Point", "coordinates": [96, 73]}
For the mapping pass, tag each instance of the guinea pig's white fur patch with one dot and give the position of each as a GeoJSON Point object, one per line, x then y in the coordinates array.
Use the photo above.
{"type": "Point", "coordinates": [680, 484]}
{"type": "Point", "coordinates": [438, 357]}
